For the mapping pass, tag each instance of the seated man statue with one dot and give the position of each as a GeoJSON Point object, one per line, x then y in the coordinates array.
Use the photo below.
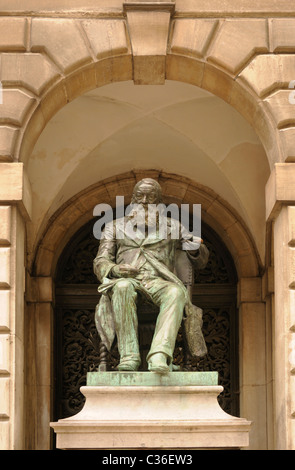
{"type": "Point", "coordinates": [128, 266]}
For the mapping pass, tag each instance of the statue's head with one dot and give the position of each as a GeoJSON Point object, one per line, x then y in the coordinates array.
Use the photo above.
{"type": "Point", "coordinates": [147, 191]}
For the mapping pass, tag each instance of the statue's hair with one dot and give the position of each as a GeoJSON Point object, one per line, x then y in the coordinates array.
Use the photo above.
{"type": "Point", "coordinates": [151, 182]}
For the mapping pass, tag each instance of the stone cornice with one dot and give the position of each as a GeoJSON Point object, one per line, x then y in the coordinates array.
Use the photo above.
{"type": "Point", "coordinates": [149, 6]}
{"type": "Point", "coordinates": [114, 8]}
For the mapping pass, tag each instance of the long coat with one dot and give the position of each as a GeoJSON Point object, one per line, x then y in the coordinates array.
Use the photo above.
{"type": "Point", "coordinates": [155, 252]}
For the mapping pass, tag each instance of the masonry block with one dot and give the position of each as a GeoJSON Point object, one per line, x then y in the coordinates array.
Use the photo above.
{"type": "Point", "coordinates": [191, 37]}
{"type": "Point", "coordinates": [4, 434]}
{"type": "Point", "coordinates": [178, 68]}
{"type": "Point", "coordinates": [39, 289]}
{"type": "Point", "coordinates": [282, 107]}
{"type": "Point", "coordinates": [5, 225]}
{"type": "Point", "coordinates": [240, 240]}
{"type": "Point", "coordinates": [31, 71]}
{"type": "Point", "coordinates": [222, 216]}
{"type": "Point", "coordinates": [15, 105]}
{"type": "Point", "coordinates": [80, 81]}
{"type": "Point", "coordinates": [249, 289]}
{"type": "Point", "coordinates": [292, 391]}
{"type": "Point", "coordinates": [268, 282]}
{"type": "Point", "coordinates": [4, 354]}
{"type": "Point", "coordinates": [217, 82]}
{"type": "Point", "coordinates": [291, 268]}
{"type": "Point", "coordinates": [8, 136]}
{"type": "Point", "coordinates": [252, 343]}
{"type": "Point", "coordinates": [53, 102]}
{"type": "Point", "coordinates": [62, 40]}
{"type": "Point", "coordinates": [4, 267]}
{"type": "Point", "coordinates": [237, 41]}
{"type": "Point", "coordinates": [15, 187]}
{"type": "Point", "coordinates": [292, 309]}
{"type": "Point", "coordinates": [268, 72]}
{"type": "Point", "coordinates": [5, 395]}
{"type": "Point", "coordinates": [148, 26]}
{"type": "Point", "coordinates": [283, 34]}
{"type": "Point", "coordinates": [280, 188]}
{"type": "Point", "coordinates": [106, 37]}
{"type": "Point", "coordinates": [4, 310]}
{"type": "Point", "coordinates": [291, 226]}
{"type": "Point", "coordinates": [288, 139]}
{"type": "Point", "coordinates": [13, 34]}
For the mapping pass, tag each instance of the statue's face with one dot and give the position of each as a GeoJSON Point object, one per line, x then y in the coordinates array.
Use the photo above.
{"type": "Point", "coordinates": [146, 194]}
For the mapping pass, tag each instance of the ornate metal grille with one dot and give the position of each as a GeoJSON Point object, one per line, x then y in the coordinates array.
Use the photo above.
{"type": "Point", "coordinates": [77, 342]}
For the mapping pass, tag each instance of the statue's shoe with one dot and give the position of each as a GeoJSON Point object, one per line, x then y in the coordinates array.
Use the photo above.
{"type": "Point", "coordinates": [128, 366]}
{"type": "Point", "coordinates": [158, 363]}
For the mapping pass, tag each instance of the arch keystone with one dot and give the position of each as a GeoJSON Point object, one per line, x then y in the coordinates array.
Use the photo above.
{"type": "Point", "coordinates": [148, 25]}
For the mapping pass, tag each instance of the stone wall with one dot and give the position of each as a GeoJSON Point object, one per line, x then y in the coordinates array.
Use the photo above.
{"type": "Point", "coordinates": [243, 54]}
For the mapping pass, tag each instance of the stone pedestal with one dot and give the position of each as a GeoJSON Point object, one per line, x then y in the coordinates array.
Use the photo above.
{"type": "Point", "coordinates": [140, 410]}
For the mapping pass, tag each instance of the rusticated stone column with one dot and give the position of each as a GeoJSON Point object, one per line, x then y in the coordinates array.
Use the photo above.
{"type": "Point", "coordinates": [252, 326]}
{"type": "Point", "coordinates": [280, 195]}
{"type": "Point", "coordinates": [14, 211]}
{"type": "Point", "coordinates": [38, 370]}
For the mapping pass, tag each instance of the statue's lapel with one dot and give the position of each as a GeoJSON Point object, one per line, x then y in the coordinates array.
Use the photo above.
{"type": "Point", "coordinates": [157, 236]}
{"type": "Point", "coordinates": [124, 231]}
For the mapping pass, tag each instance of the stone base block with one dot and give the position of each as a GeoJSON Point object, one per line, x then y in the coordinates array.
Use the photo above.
{"type": "Point", "coordinates": [149, 416]}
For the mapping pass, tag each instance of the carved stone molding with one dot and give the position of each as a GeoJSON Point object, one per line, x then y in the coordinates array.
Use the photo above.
{"type": "Point", "coordinates": [280, 189]}
{"type": "Point", "coordinates": [148, 24]}
{"type": "Point", "coordinates": [39, 289]}
{"type": "Point", "coordinates": [15, 188]}
{"type": "Point", "coordinates": [149, 6]}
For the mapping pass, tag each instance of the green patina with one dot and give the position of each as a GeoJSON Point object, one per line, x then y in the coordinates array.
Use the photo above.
{"type": "Point", "coordinates": [151, 379]}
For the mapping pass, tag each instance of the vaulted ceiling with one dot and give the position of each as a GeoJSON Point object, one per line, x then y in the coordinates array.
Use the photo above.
{"type": "Point", "coordinates": [177, 128]}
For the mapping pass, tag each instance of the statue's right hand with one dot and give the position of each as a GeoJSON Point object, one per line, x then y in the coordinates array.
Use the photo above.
{"type": "Point", "coordinates": [124, 270]}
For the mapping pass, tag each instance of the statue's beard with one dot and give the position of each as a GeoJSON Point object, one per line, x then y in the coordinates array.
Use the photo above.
{"type": "Point", "coordinates": [147, 217]}
{"type": "Point", "coordinates": [151, 216]}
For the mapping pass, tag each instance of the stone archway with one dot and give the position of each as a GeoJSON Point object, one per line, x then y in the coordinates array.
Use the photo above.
{"type": "Point", "coordinates": [70, 217]}
{"type": "Point", "coordinates": [86, 67]}
{"type": "Point", "coordinates": [43, 69]}
{"type": "Point", "coordinates": [235, 91]}
{"type": "Point", "coordinates": [77, 349]}
{"type": "Point", "coordinates": [69, 56]}
{"type": "Point", "coordinates": [74, 214]}
{"type": "Point", "coordinates": [216, 212]}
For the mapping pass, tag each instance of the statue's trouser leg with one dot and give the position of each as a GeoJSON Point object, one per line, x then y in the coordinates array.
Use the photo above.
{"type": "Point", "coordinates": [171, 300]}
{"type": "Point", "coordinates": [126, 323]}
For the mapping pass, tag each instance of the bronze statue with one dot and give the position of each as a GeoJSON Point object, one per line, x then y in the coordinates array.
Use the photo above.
{"type": "Point", "coordinates": [128, 267]}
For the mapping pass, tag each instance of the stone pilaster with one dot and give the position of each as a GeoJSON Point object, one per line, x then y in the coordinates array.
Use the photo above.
{"type": "Point", "coordinates": [38, 380]}
{"type": "Point", "coordinates": [252, 325]}
{"type": "Point", "coordinates": [281, 201]}
{"type": "Point", "coordinates": [14, 210]}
